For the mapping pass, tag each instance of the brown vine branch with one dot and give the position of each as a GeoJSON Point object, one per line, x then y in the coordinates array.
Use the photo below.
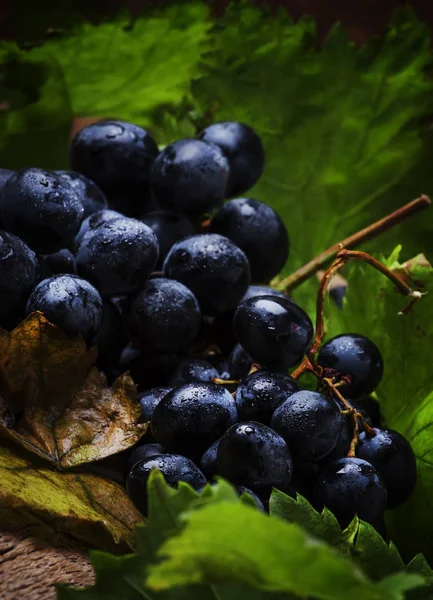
{"type": "Point", "coordinates": [366, 234]}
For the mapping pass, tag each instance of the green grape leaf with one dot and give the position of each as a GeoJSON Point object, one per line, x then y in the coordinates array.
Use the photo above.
{"type": "Point", "coordinates": [372, 308]}
{"type": "Point", "coordinates": [67, 413]}
{"type": "Point", "coordinates": [89, 508]}
{"type": "Point", "coordinates": [128, 70]}
{"type": "Point", "coordinates": [337, 121]}
{"type": "Point", "coordinates": [229, 542]}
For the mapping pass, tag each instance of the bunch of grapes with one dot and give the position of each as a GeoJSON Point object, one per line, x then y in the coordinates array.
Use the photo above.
{"type": "Point", "coordinates": [156, 258]}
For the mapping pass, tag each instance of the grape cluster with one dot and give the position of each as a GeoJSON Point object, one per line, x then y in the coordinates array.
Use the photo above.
{"type": "Point", "coordinates": [148, 255]}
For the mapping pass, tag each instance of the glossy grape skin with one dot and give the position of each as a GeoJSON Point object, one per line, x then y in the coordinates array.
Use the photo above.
{"type": "Point", "coordinates": [350, 486]}
{"type": "Point", "coordinates": [239, 363]}
{"type": "Point", "coordinates": [189, 370]}
{"type": "Point", "coordinates": [310, 423]}
{"type": "Point", "coordinates": [274, 331]}
{"type": "Point", "coordinates": [192, 416]}
{"type": "Point", "coordinates": [169, 228]}
{"type": "Point", "coordinates": [174, 467]}
{"type": "Point", "coordinates": [139, 453]}
{"type": "Point", "coordinates": [356, 356]}
{"type": "Point", "coordinates": [392, 456]}
{"type": "Point", "coordinates": [60, 262]}
{"type": "Point", "coordinates": [91, 196]}
{"type": "Point", "coordinates": [257, 230]}
{"type": "Point", "coordinates": [241, 489]}
{"type": "Point", "coordinates": [259, 395]}
{"type": "Point", "coordinates": [19, 270]}
{"type": "Point", "coordinates": [4, 176]}
{"type": "Point", "coordinates": [118, 256]}
{"type": "Point", "coordinates": [41, 208]}
{"type": "Point", "coordinates": [164, 315]}
{"type": "Point", "coordinates": [223, 326]}
{"type": "Point", "coordinates": [244, 150]}
{"type": "Point", "coordinates": [118, 157]}
{"type": "Point", "coordinates": [149, 399]}
{"type": "Point", "coordinates": [111, 339]}
{"type": "Point", "coordinates": [213, 268]}
{"type": "Point", "coordinates": [69, 302]}
{"type": "Point", "coordinates": [190, 176]}
{"type": "Point", "coordinates": [209, 460]}
{"type": "Point", "coordinates": [94, 221]}
{"type": "Point", "coordinates": [253, 455]}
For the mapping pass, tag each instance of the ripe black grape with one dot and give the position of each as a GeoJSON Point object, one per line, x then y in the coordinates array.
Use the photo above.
{"type": "Point", "coordinates": [174, 467]}
{"type": "Point", "coordinates": [149, 399]}
{"type": "Point", "coordinates": [253, 455]}
{"type": "Point", "coordinates": [391, 454]}
{"type": "Point", "coordinates": [41, 208]}
{"type": "Point", "coordinates": [244, 150]}
{"type": "Point", "coordinates": [209, 461]}
{"type": "Point", "coordinates": [190, 176]}
{"type": "Point", "coordinates": [139, 453]}
{"type": "Point", "coordinates": [349, 487]}
{"type": "Point", "coordinates": [261, 393]}
{"type": "Point", "coordinates": [169, 228]}
{"type": "Point", "coordinates": [111, 339]}
{"type": "Point", "coordinates": [118, 256]}
{"type": "Point", "coordinates": [357, 357]}
{"type": "Point", "coordinates": [189, 418]}
{"type": "Point", "coordinates": [19, 271]}
{"type": "Point", "coordinates": [248, 223]}
{"type": "Point", "coordinates": [69, 302]}
{"type": "Point", "coordinates": [164, 315]}
{"type": "Point", "coordinates": [274, 331]}
{"type": "Point", "coordinates": [94, 221]}
{"type": "Point", "coordinates": [118, 157]}
{"type": "Point", "coordinates": [92, 197]}
{"type": "Point", "coordinates": [189, 370]}
{"type": "Point", "coordinates": [213, 268]}
{"type": "Point", "coordinates": [60, 262]}
{"type": "Point", "coordinates": [239, 363]}
{"type": "Point", "coordinates": [310, 423]}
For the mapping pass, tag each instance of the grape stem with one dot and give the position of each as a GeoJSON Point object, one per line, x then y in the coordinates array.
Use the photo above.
{"type": "Point", "coordinates": [309, 363]}
{"type": "Point", "coordinates": [295, 279]}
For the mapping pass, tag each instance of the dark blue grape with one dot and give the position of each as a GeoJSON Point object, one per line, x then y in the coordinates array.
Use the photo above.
{"type": "Point", "coordinates": [169, 228]}
{"type": "Point", "coordinates": [213, 268]}
{"type": "Point", "coordinates": [310, 423]}
{"type": "Point", "coordinates": [94, 221]}
{"type": "Point", "coordinates": [19, 270]}
{"type": "Point", "coordinates": [41, 208]}
{"type": "Point", "coordinates": [4, 176]}
{"type": "Point", "coordinates": [60, 262]}
{"type": "Point", "coordinates": [253, 455]}
{"type": "Point", "coordinates": [208, 463]}
{"type": "Point", "coordinates": [164, 315]}
{"type": "Point", "coordinates": [358, 358]}
{"type": "Point", "coordinates": [190, 176]}
{"type": "Point", "coordinates": [69, 302]}
{"type": "Point", "coordinates": [92, 197]}
{"type": "Point", "coordinates": [274, 331]}
{"type": "Point", "coordinates": [241, 490]}
{"type": "Point", "coordinates": [349, 487]}
{"type": "Point", "coordinates": [118, 256]}
{"type": "Point", "coordinates": [149, 399]}
{"type": "Point", "coordinates": [174, 467]}
{"type": "Point", "coordinates": [189, 370]}
{"type": "Point", "coordinates": [244, 150]}
{"type": "Point", "coordinates": [261, 393]}
{"type": "Point", "coordinates": [139, 453]}
{"type": "Point", "coordinates": [248, 223]}
{"type": "Point", "coordinates": [191, 417]}
{"type": "Point", "coordinates": [239, 363]}
{"type": "Point", "coordinates": [391, 454]}
{"type": "Point", "coordinates": [118, 157]}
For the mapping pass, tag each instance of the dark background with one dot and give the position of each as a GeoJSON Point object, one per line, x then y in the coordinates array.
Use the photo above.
{"type": "Point", "coordinates": [27, 20]}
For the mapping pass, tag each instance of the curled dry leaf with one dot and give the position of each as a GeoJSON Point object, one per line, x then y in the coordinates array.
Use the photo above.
{"type": "Point", "coordinates": [66, 413]}
{"type": "Point", "coordinates": [87, 507]}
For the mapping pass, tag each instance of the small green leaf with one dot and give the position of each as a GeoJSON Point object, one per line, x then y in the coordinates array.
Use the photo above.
{"type": "Point", "coordinates": [230, 542]}
{"type": "Point", "coordinates": [323, 526]}
{"type": "Point", "coordinates": [374, 555]}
